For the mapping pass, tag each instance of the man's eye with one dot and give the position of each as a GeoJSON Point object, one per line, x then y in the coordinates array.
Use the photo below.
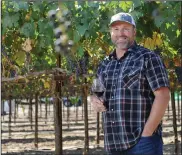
{"type": "Point", "coordinates": [126, 29]}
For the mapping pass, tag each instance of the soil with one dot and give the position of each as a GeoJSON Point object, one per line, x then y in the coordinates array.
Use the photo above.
{"type": "Point", "coordinates": [21, 139]}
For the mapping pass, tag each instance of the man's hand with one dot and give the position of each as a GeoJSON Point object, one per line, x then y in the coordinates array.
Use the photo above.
{"type": "Point", "coordinates": [97, 104]}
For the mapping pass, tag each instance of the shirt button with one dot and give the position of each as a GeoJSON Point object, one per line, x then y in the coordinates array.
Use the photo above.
{"type": "Point", "coordinates": [113, 122]}
{"type": "Point", "coordinates": [112, 97]}
{"type": "Point", "coordinates": [112, 109]}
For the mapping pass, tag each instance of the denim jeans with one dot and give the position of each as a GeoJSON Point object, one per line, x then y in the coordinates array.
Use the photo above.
{"type": "Point", "coordinates": [152, 145]}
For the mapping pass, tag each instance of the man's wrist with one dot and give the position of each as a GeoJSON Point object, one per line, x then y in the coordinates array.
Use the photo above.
{"type": "Point", "coordinates": [147, 132]}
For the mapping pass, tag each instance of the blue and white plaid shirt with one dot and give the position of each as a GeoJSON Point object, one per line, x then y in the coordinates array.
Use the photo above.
{"type": "Point", "coordinates": [130, 83]}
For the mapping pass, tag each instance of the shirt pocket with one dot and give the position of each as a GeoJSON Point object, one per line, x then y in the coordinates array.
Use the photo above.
{"type": "Point", "coordinates": [131, 78]}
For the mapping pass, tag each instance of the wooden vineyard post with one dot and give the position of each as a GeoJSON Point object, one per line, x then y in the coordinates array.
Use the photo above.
{"type": "Point", "coordinates": [86, 140]}
{"type": "Point", "coordinates": [36, 120]}
{"type": "Point", "coordinates": [49, 107]}
{"type": "Point", "coordinates": [62, 46]}
{"type": "Point", "coordinates": [98, 129]}
{"type": "Point", "coordinates": [58, 126]}
{"type": "Point", "coordinates": [3, 109]}
{"type": "Point", "coordinates": [46, 102]}
{"type": "Point", "coordinates": [40, 104]}
{"type": "Point", "coordinates": [181, 66]}
{"type": "Point", "coordinates": [68, 115]}
{"type": "Point", "coordinates": [178, 94]}
{"type": "Point", "coordinates": [82, 107]}
{"type": "Point", "coordinates": [174, 121]}
{"type": "Point", "coordinates": [15, 112]}
{"type": "Point", "coordinates": [76, 115]}
{"type": "Point", "coordinates": [58, 113]}
{"type": "Point", "coordinates": [168, 109]}
{"type": "Point", "coordinates": [30, 114]}
{"type": "Point", "coordinates": [181, 102]}
{"type": "Point", "coordinates": [9, 124]}
{"type": "Point", "coordinates": [17, 106]}
{"type": "Point", "coordinates": [63, 112]}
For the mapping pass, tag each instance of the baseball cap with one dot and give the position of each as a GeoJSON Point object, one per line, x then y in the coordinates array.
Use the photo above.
{"type": "Point", "coordinates": [123, 17]}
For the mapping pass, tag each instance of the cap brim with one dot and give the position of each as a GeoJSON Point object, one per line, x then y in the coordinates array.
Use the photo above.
{"type": "Point", "coordinates": [120, 21]}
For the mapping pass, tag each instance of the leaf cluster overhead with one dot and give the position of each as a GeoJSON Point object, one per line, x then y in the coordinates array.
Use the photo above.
{"type": "Point", "coordinates": [27, 23]}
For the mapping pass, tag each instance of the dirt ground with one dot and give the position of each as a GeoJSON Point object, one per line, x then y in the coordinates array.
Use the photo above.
{"type": "Point", "coordinates": [21, 139]}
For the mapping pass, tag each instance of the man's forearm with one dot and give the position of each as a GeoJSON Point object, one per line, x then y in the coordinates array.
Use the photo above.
{"type": "Point", "coordinates": [157, 112]}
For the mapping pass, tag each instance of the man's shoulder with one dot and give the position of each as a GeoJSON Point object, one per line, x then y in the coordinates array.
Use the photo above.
{"type": "Point", "coordinates": [141, 50]}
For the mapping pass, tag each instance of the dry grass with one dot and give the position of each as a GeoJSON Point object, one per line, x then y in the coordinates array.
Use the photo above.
{"type": "Point", "coordinates": [21, 140]}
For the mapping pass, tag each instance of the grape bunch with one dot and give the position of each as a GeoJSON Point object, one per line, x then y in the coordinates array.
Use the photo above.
{"type": "Point", "coordinates": [79, 67]}
{"type": "Point", "coordinates": [82, 65]}
{"type": "Point", "coordinates": [71, 64]}
{"type": "Point", "coordinates": [61, 24]}
{"type": "Point", "coordinates": [3, 51]}
{"type": "Point", "coordinates": [13, 73]}
{"type": "Point", "coordinates": [178, 71]}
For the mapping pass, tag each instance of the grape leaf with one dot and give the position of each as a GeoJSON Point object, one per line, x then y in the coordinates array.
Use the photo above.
{"type": "Point", "coordinates": [41, 26]}
{"type": "Point", "coordinates": [15, 6]}
{"type": "Point", "coordinates": [10, 21]}
{"type": "Point", "coordinates": [19, 57]}
{"type": "Point", "coordinates": [159, 20]}
{"type": "Point", "coordinates": [80, 51]}
{"type": "Point", "coordinates": [28, 29]}
{"type": "Point", "coordinates": [23, 5]}
{"type": "Point", "coordinates": [76, 36]}
{"type": "Point", "coordinates": [137, 3]}
{"type": "Point", "coordinates": [36, 8]}
{"type": "Point", "coordinates": [82, 28]}
{"type": "Point", "coordinates": [125, 5]}
{"type": "Point", "coordinates": [136, 14]}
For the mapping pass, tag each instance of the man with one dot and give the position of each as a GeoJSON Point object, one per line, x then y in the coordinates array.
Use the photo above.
{"type": "Point", "coordinates": [137, 93]}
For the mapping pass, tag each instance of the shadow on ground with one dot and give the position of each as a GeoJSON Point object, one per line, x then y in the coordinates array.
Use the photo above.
{"type": "Point", "coordinates": [168, 149]}
{"type": "Point", "coordinates": [78, 151]}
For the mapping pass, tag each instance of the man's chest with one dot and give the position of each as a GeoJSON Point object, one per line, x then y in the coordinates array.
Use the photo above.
{"type": "Point", "coordinates": [125, 72]}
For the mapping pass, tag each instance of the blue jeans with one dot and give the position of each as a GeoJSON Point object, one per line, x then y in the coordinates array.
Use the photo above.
{"type": "Point", "coordinates": [152, 145]}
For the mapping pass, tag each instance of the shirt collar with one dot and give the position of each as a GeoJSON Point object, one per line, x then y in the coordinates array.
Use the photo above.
{"type": "Point", "coordinates": [131, 49]}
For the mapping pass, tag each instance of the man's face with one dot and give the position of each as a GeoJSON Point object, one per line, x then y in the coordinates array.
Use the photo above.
{"type": "Point", "coordinates": [122, 34]}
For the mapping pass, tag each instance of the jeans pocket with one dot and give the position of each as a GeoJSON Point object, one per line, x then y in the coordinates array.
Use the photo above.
{"type": "Point", "coordinates": [150, 145]}
{"type": "Point", "coordinates": [147, 145]}
{"type": "Point", "coordinates": [144, 146]}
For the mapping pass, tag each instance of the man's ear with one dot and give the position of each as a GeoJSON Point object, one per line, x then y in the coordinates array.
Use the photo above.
{"type": "Point", "coordinates": [134, 31]}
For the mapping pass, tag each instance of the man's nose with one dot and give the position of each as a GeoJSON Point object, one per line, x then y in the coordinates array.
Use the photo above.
{"type": "Point", "coordinates": [121, 32]}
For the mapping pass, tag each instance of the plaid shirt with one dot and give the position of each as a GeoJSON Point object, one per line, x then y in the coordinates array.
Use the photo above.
{"type": "Point", "coordinates": [130, 83]}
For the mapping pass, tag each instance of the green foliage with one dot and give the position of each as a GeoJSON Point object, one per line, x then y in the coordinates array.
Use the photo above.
{"type": "Point", "coordinates": [19, 57]}
{"type": "Point", "coordinates": [29, 20]}
{"type": "Point", "coordinates": [10, 21]}
{"type": "Point", "coordinates": [23, 20]}
{"type": "Point", "coordinates": [28, 30]}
